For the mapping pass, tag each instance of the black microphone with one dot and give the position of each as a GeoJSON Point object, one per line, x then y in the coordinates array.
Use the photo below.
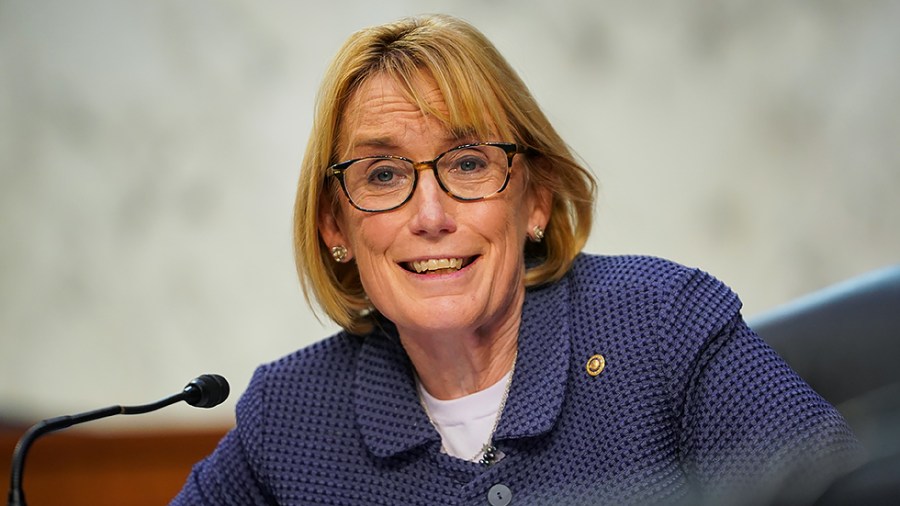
{"type": "Point", "coordinates": [205, 391]}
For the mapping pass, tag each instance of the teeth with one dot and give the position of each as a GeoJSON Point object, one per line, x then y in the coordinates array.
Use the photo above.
{"type": "Point", "coordinates": [434, 264]}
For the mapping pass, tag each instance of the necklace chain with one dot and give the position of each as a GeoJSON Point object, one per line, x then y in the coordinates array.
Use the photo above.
{"type": "Point", "coordinates": [488, 453]}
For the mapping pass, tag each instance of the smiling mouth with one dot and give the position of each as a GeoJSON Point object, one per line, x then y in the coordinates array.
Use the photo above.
{"type": "Point", "coordinates": [437, 265]}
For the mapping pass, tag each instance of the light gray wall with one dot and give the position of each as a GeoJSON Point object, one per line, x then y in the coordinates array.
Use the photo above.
{"type": "Point", "coordinates": [149, 152]}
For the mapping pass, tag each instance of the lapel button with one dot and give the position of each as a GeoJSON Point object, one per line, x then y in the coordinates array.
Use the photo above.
{"type": "Point", "coordinates": [595, 365]}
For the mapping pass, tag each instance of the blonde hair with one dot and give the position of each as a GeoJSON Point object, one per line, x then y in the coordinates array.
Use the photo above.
{"type": "Point", "coordinates": [484, 96]}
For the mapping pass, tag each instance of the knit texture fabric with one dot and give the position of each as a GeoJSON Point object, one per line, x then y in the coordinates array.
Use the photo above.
{"type": "Point", "coordinates": [692, 407]}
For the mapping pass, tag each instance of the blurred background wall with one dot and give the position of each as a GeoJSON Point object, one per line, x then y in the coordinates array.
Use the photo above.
{"type": "Point", "coordinates": [149, 152]}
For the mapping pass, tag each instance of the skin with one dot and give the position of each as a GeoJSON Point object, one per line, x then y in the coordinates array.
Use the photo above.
{"type": "Point", "coordinates": [460, 328]}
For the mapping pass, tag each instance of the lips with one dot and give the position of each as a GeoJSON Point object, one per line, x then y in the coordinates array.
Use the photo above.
{"type": "Point", "coordinates": [437, 265]}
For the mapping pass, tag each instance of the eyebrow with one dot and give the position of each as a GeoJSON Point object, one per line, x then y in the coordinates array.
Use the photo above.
{"type": "Point", "coordinates": [456, 137]}
{"type": "Point", "coordinates": [375, 142]}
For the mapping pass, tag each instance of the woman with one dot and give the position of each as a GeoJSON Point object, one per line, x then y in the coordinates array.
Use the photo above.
{"type": "Point", "coordinates": [439, 220]}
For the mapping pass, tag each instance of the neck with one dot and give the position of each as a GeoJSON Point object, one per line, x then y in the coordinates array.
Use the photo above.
{"type": "Point", "coordinates": [453, 363]}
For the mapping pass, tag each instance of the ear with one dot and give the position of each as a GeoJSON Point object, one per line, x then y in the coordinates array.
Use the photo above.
{"type": "Point", "coordinates": [541, 202]}
{"type": "Point", "coordinates": [331, 227]}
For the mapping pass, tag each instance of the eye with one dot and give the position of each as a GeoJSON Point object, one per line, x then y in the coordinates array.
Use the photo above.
{"type": "Point", "coordinates": [468, 161]}
{"type": "Point", "coordinates": [471, 163]}
{"type": "Point", "coordinates": [385, 174]}
{"type": "Point", "coordinates": [381, 176]}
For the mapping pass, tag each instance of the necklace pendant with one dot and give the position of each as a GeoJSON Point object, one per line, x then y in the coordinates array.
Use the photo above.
{"type": "Point", "coordinates": [488, 455]}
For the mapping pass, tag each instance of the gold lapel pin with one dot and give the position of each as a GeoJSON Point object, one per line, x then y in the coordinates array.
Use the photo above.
{"type": "Point", "coordinates": [595, 365]}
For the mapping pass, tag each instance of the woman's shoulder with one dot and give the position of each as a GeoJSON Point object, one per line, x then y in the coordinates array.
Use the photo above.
{"type": "Point", "coordinates": [323, 369]}
{"type": "Point", "coordinates": [636, 271]}
{"type": "Point", "coordinates": [327, 356]}
{"type": "Point", "coordinates": [666, 291]}
{"type": "Point", "coordinates": [320, 375]}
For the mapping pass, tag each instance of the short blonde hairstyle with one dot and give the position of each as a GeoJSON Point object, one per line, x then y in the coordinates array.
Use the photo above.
{"type": "Point", "coordinates": [484, 96]}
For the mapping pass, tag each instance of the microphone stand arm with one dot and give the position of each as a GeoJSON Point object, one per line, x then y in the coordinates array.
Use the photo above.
{"type": "Point", "coordinates": [16, 494]}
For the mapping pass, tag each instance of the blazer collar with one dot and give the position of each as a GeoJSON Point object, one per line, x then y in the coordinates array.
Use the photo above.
{"type": "Point", "coordinates": [391, 419]}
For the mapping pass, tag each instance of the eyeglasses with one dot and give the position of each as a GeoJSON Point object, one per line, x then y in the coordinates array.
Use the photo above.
{"type": "Point", "coordinates": [385, 182]}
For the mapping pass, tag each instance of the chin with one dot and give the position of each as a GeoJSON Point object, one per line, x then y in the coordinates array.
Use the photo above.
{"type": "Point", "coordinates": [442, 320]}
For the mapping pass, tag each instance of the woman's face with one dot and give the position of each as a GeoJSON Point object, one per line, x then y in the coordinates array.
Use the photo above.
{"type": "Point", "coordinates": [485, 237]}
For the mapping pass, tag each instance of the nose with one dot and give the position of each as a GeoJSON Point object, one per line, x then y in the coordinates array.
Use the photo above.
{"type": "Point", "coordinates": [430, 206]}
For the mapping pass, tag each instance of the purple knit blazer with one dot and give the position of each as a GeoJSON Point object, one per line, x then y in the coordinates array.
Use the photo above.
{"type": "Point", "coordinates": [692, 407]}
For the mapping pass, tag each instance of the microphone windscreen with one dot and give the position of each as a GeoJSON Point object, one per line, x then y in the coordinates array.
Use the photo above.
{"type": "Point", "coordinates": [207, 391]}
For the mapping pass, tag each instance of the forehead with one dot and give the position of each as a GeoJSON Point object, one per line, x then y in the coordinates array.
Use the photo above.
{"type": "Point", "coordinates": [387, 108]}
{"type": "Point", "coordinates": [382, 108]}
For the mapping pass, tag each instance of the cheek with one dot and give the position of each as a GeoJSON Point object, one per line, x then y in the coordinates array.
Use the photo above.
{"type": "Point", "coordinates": [513, 221]}
{"type": "Point", "coordinates": [369, 248]}
{"type": "Point", "coordinates": [371, 236]}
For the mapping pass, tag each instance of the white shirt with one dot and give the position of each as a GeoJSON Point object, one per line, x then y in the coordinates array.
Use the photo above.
{"type": "Point", "coordinates": [466, 424]}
